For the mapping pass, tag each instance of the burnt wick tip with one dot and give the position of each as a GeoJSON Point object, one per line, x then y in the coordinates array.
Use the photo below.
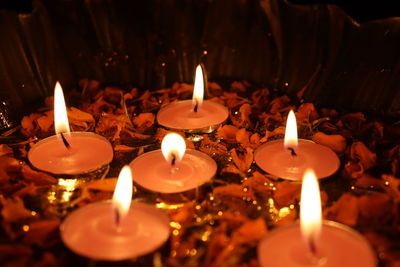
{"type": "Point", "coordinates": [173, 161]}
{"type": "Point", "coordinates": [196, 107]}
{"type": "Point", "coordinates": [117, 217]}
{"type": "Point", "coordinates": [292, 151]}
{"type": "Point", "coordinates": [66, 144]}
{"type": "Point", "coordinates": [313, 247]}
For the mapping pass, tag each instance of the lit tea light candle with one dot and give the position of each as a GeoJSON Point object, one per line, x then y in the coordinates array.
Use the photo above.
{"type": "Point", "coordinates": [194, 115]}
{"type": "Point", "coordinates": [173, 169]}
{"type": "Point", "coordinates": [313, 242]}
{"type": "Point", "coordinates": [116, 230]}
{"type": "Point", "coordinates": [69, 153]}
{"type": "Point", "coordinates": [289, 158]}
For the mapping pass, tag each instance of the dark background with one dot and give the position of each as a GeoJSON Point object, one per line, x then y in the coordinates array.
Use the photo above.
{"type": "Point", "coordinates": [361, 10]}
{"type": "Point", "coordinates": [345, 64]}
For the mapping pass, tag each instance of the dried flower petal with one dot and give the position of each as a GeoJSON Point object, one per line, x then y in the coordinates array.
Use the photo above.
{"type": "Point", "coordinates": [227, 133]}
{"type": "Point", "coordinates": [375, 205]}
{"type": "Point", "coordinates": [359, 152]}
{"type": "Point", "coordinates": [352, 121]}
{"type": "Point", "coordinates": [123, 148]}
{"type": "Point", "coordinates": [279, 104]}
{"type": "Point", "coordinates": [233, 190]}
{"type": "Point", "coordinates": [250, 231]}
{"type": "Point", "coordinates": [241, 118]}
{"type": "Point", "coordinates": [144, 121]}
{"type": "Point", "coordinates": [393, 186]}
{"type": "Point", "coordinates": [7, 165]}
{"type": "Point", "coordinates": [306, 113]}
{"type": "Point", "coordinates": [260, 97]}
{"type": "Point", "coordinates": [242, 160]}
{"type": "Point", "coordinates": [243, 137]}
{"type": "Point", "coordinates": [367, 181]}
{"type": "Point", "coordinates": [336, 142]}
{"type": "Point", "coordinates": [353, 170]}
{"type": "Point", "coordinates": [345, 210]}
{"type": "Point", "coordinates": [46, 121]}
{"type": "Point", "coordinates": [5, 150]}
{"type": "Point", "coordinates": [8, 251]}
{"type": "Point", "coordinates": [28, 124]}
{"type": "Point", "coordinates": [13, 209]}
{"type": "Point", "coordinates": [259, 183]}
{"type": "Point", "coordinates": [39, 232]}
{"type": "Point", "coordinates": [36, 177]}
{"type": "Point", "coordinates": [286, 193]}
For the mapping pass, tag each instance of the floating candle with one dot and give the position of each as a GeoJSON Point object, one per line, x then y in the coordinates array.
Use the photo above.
{"type": "Point", "coordinates": [69, 153]}
{"type": "Point", "coordinates": [193, 115]}
{"type": "Point", "coordinates": [116, 230]}
{"type": "Point", "coordinates": [173, 169]}
{"type": "Point", "coordinates": [313, 243]}
{"type": "Point", "coordinates": [289, 158]}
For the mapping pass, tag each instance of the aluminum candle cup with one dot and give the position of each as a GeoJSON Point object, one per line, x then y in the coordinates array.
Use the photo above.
{"type": "Point", "coordinates": [339, 246]}
{"type": "Point", "coordinates": [152, 172]}
{"type": "Point", "coordinates": [181, 117]}
{"type": "Point", "coordinates": [273, 158]}
{"type": "Point", "coordinates": [88, 153]}
{"type": "Point", "coordinates": [91, 231]}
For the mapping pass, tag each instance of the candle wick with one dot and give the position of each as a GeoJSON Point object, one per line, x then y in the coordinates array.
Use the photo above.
{"type": "Point", "coordinates": [315, 258]}
{"type": "Point", "coordinates": [173, 160]}
{"type": "Point", "coordinates": [66, 144]}
{"type": "Point", "coordinates": [313, 247]}
{"type": "Point", "coordinates": [117, 217]}
{"type": "Point", "coordinates": [196, 106]}
{"type": "Point", "coordinates": [292, 151]}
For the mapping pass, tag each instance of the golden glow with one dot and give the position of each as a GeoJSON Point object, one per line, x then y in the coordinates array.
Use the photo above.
{"type": "Point", "coordinates": [122, 196]}
{"type": "Point", "coordinates": [173, 146]}
{"type": "Point", "coordinates": [166, 206]}
{"type": "Point", "coordinates": [291, 131]}
{"type": "Point", "coordinates": [68, 186]}
{"type": "Point", "coordinates": [198, 91]}
{"type": "Point", "coordinates": [60, 111]}
{"type": "Point", "coordinates": [310, 208]}
{"type": "Point", "coordinates": [175, 225]}
{"type": "Point", "coordinates": [283, 212]}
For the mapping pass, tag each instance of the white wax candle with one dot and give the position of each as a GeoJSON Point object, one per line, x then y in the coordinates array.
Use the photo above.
{"type": "Point", "coordinates": [88, 152]}
{"type": "Point", "coordinates": [275, 159]}
{"type": "Point", "coordinates": [180, 116]}
{"type": "Point", "coordinates": [339, 245]}
{"type": "Point", "coordinates": [91, 231]}
{"type": "Point", "coordinates": [152, 171]}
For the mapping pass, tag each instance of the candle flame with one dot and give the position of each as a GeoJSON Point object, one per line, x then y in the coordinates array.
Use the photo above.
{"type": "Point", "coordinates": [61, 124]}
{"type": "Point", "coordinates": [310, 209]}
{"type": "Point", "coordinates": [198, 91]}
{"type": "Point", "coordinates": [291, 131]}
{"type": "Point", "coordinates": [173, 148]}
{"type": "Point", "coordinates": [122, 196]}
